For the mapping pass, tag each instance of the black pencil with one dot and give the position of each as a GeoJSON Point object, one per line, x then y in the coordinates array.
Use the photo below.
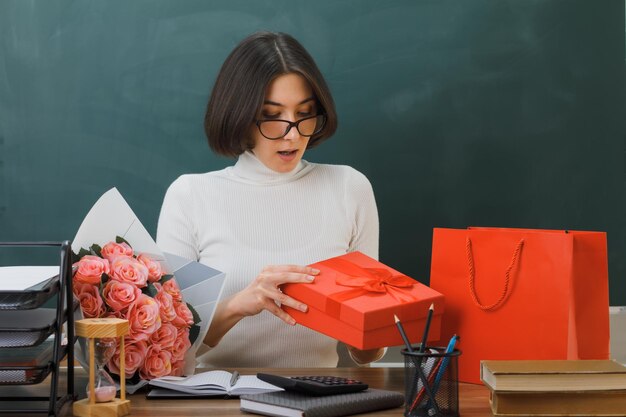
{"type": "Point", "coordinates": [426, 328]}
{"type": "Point", "coordinates": [403, 334]}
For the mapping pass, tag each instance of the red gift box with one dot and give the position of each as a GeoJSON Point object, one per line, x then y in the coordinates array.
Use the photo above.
{"type": "Point", "coordinates": [355, 297]}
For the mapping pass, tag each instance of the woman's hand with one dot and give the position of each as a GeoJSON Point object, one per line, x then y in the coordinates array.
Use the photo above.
{"type": "Point", "coordinates": [363, 357]}
{"type": "Point", "coordinates": [262, 294]}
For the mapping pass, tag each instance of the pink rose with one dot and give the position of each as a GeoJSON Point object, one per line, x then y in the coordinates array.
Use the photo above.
{"type": "Point", "coordinates": [129, 270]}
{"type": "Point", "coordinates": [115, 314]}
{"type": "Point", "coordinates": [178, 368]}
{"type": "Point", "coordinates": [154, 268]}
{"type": "Point", "coordinates": [166, 306]}
{"type": "Point", "coordinates": [119, 295]}
{"type": "Point", "coordinates": [90, 269]}
{"type": "Point", "coordinates": [90, 300]}
{"type": "Point", "coordinates": [165, 336]}
{"type": "Point", "coordinates": [134, 356]}
{"type": "Point", "coordinates": [158, 363]}
{"type": "Point", "coordinates": [113, 250]}
{"type": "Point", "coordinates": [143, 317]}
{"type": "Point", "coordinates": [181, 345]}
{"type": "Point", "coordinates": [184, 318]}
{"type": "Point", "coordinates": [172, 288]}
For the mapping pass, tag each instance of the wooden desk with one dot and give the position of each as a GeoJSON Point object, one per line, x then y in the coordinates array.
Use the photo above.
{"type": "Point", "coordinates": [473, 399]}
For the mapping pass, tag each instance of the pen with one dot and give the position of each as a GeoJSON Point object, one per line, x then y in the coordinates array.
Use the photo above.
{"type": "Point", "coordinates": [445, 361]}
{"type": "Point", "coordinates": [426, 387]}
{"type": "Point", "coordinates": [435, 377]}
{"type": "Point", "coordinates": [234, 378]}
{"type": "Point", "coordinates": [402, 333]}
{"type": "Point", "coordinates": [429, 318]}
{"type": "Point", "coordinates": [444, 365]}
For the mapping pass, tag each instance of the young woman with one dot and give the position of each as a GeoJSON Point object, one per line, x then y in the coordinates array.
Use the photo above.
{"type": "Point", "coordinates": [263, 219]}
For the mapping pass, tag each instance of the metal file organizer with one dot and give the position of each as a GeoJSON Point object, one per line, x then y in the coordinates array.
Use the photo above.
{"type": "Point", "coordinates": [31, 336]}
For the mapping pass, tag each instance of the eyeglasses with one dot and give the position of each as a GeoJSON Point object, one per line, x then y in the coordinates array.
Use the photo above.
{"type": "Point", "coordinates": [276, 129]}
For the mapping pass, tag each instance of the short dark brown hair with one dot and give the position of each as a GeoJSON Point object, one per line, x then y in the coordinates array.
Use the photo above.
{"type": "Point", "coordinates": [241, 84]}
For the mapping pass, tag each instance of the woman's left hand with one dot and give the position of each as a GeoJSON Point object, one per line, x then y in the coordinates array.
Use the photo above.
{"type": "Point", "coordinates": [363, 357]}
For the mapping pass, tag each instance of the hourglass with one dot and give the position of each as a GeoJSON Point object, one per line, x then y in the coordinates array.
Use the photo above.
{"type": "Point", "coordinates": [101, 389]}
{"type": "Point", "coordinates": [104, 386]}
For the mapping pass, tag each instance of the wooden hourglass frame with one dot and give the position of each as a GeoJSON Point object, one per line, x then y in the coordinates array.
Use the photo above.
{"type": "Point", "coordinates": [98, 328]}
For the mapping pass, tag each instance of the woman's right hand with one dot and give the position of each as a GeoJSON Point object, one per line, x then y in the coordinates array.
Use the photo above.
{"type": "Point", "coordinates": [264, 292]}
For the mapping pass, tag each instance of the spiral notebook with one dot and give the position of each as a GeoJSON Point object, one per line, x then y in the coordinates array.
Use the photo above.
{"type": "Point", "coordinates": [293, 404]}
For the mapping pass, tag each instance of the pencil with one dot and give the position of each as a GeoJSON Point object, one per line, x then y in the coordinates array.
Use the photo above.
{"type": "Point", "coordinates": [427, 327]}
{"type": "Point", "coordinates": [234, 378]}
{"type": "Point", "coordinates": [422, 391]}
{"type": "Point", "coordinates": [403, 334]}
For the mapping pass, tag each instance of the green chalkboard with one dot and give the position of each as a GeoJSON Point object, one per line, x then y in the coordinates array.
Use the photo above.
{"type": "Point", "coordinates": [485, 112]}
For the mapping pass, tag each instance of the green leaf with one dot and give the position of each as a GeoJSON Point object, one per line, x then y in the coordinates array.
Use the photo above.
{"type": "Point", "coordinates": [151, 290]}
{"type": "Point", "coordinates": [194, 332]}
{"type": "Point", "coordinates": [104, 278]}
{"type": "Point", "coordinates": [120, 239]}
{"type": "Point", "coordinates": [194, 313]}
{"type": "Point", "coordinates": [96, 250]}
{"type": "Point", "coordinates": [165, 278]}
{"type": "Point", "coordinates": [77, 257]}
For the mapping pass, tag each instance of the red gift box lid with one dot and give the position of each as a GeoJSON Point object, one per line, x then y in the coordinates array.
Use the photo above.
{"type": "Point", "coordinates": [375, 293]}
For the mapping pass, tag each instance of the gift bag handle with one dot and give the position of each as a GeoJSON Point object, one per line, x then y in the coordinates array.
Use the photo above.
{"type": "Point", "coordinates": [507, 275]}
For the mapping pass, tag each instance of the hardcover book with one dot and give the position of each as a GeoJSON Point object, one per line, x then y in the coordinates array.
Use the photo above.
{"type": "Point", "coordinates": [588, 403]}
{"type": "Point", "coordinates": [555, 387]}
{"type": "Point", "coordinates": [553, 375]}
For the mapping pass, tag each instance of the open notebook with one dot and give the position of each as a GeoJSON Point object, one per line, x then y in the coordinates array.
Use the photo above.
{"type": "Point", "coordinates": [211, 383]}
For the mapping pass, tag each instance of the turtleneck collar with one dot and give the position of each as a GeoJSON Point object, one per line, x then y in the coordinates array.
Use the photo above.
{"type": "Point", "coordinates": [251, 170]}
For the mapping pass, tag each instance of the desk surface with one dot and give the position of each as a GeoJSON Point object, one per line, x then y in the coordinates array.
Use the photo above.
{"type": "Point", "coordinates": [473, 399]}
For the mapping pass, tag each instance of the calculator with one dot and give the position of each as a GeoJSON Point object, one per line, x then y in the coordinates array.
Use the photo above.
{"type": "Point", "coordinates": [314, 384]}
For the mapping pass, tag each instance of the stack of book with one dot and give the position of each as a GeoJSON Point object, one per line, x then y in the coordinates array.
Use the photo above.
{"type": "Point", "coordinates": [555, 388]}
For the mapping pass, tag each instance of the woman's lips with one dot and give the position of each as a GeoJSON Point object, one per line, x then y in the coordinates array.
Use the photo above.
{"type": "Point", "coordinates": [287, 155]}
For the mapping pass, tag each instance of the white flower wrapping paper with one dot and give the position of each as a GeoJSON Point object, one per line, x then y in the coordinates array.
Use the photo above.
{"type": "Point", "coordinates": [200, 285]}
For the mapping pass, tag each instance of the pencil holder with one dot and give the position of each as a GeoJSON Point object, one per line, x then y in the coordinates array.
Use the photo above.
{"type": "Point", "coordinates": [431, 382]}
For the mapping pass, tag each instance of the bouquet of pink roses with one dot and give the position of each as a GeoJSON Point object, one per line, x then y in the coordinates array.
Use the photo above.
{"type": "Point", "coordinates": [113, 281]}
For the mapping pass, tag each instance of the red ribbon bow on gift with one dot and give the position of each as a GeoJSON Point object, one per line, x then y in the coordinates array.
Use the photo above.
{"type": "Point", "coordinates": [365, 281]}
{"type": "Point", "coordinates": [376, 280]}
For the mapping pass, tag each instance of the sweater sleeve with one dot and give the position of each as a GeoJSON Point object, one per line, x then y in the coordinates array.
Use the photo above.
{"type": "Point", "coordinates": [363, 213]}
{"type": "Point", "coordinates": [175, 230]}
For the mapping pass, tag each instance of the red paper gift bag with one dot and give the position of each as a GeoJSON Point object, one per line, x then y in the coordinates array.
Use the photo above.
{"type": "Point", "coordinates": [522, 294]}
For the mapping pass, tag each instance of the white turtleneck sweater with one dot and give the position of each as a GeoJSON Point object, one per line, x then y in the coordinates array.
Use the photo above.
{"type": "Point", "coordinates": [244, 217]}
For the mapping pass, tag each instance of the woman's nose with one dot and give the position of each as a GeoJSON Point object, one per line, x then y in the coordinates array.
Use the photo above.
{"type": "Point", "coordinates": [293, 133]}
